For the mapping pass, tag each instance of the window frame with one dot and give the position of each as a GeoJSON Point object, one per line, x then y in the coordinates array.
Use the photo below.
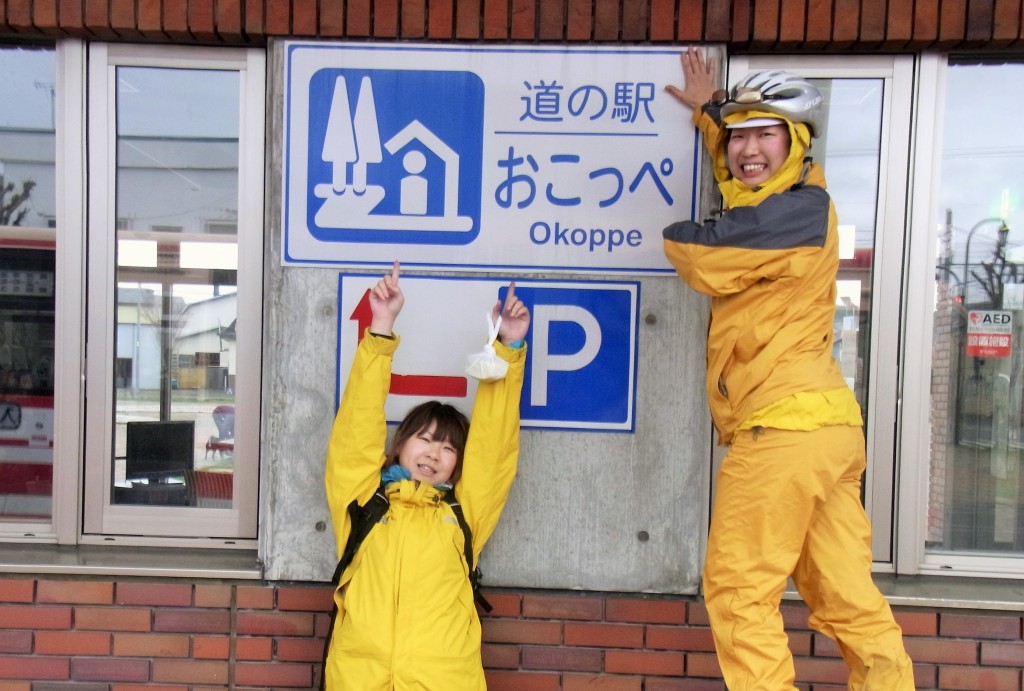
{"type": "Point", "coordinates": [102, 522]}
{"type": "Point", "coordinates": [915, 430]}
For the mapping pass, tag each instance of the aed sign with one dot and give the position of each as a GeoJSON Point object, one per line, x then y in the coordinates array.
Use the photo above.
{"type": "Point", "coordinates": [581, 355]}
{"type": "Point", "coordinates": [492, 158]}
{"type": "Point", "coordinates": [989, 333]}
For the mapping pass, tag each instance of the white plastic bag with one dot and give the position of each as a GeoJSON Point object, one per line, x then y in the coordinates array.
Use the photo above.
{"type": "Point", "coordinates": [486, 365]}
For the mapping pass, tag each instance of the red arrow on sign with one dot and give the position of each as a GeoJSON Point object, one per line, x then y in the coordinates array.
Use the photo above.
{"type": "Point", "coordinates": [410, 384]}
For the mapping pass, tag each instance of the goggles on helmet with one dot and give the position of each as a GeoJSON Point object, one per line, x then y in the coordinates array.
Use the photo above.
{"type": "Point", "coordinates": [744, 95]}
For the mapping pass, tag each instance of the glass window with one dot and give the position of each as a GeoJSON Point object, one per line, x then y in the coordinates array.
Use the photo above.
{"type": "Point", "coordinates": [27, 286]}
{"type": "Point", "coordinates": [975, 495]}
{"type": "Point", "coordinates": [175, 230]}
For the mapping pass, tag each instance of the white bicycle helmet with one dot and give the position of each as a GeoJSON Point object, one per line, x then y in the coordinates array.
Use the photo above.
{"type": "Point", "coordinates": [777, 92]}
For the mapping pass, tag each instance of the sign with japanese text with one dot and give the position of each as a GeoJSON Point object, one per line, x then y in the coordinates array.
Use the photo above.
{"type": "Point", "coordinates": [989, 333]}
{"type": "Point", "coordinates": [483, 157]}
{"type": "Point", "coordinates": [581, 356]}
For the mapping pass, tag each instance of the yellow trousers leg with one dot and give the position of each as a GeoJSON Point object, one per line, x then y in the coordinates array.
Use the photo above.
{"type": "Point", "coordinates": [788, 504]}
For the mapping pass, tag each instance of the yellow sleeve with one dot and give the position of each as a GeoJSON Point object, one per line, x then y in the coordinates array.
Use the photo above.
{"type": "Point", "coordinates": [355, 453]}
{"type": "Point", "coordinates": [492, 450]}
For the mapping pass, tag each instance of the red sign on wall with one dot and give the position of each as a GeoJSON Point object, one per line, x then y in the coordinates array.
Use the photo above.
{"type": "Point", "coordinates": [989, 333]}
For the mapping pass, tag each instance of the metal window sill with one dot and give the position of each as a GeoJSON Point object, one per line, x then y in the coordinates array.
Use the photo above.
{"type": "Point", "coordinates": [130, 561]}
{"type": "Point", "coordinates": [952, 592]}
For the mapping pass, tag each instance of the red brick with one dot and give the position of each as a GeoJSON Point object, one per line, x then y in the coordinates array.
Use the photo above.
{"type": "Point", "coordinates": [524, 19]}
{"type": "Point", "coordinates": [148, 16]}
{"type": "Point", "coordinates": [800, 642]}
{"type": "Point", "coordinates": [690, 25]}
{"type": "Point", "coordinates": [211, 647]}
{"type": "Point", "coordinates": [522, 681]}
{"type": "Point", "coordinates": [146, 687]}
{"type": "Point", "coordinates": [357, 18]}
{"type": "Point", "coordinates": [551, 21]}
{"type": "Point", "coordinates": [17, 590]}
{"type": "Point", "coordinates": [516, 631]}
{"type": "Point", "coordinates": [109, 669]}
{"type": "Point", "coordinates": [191, 621]}
{"type": "Point", "coordinates": [1005, 654]}
{"type": "Point", "coordinates": [662, 20]}
{"type": "Point", "coordinates": [979, 678]}
{"type": "Point", "coordinates": [687, 684]}
{"type": "Point", "coordinates": [503, 605]}
{"type": "Point", "coordinates": [294, 649]}
{"type": "Point", "coordinates": [154, 594]}
{"type": "Point", "coordinates": [385, 18]}
{"type": "Point", "coordinates": [254, 597]}
{"type": "Point", "coordinates": [944, 651]}
{"type": "Point", "coordinates": [253, 17]}
{"type": "Point", "coordinates": [150, 645]}
{"type": "Point", "coordinates": [606, 20]}
{"type": "Point", "coordinates": [277, 18]}
{"type": "Point", "coordinates": [1006, 21]}
{"type": "Point", "coordinates": [697, 614]}
{"type": "Point", "coordinates": [792, 15]}
{"type": "Point", "coordinates": [112, 619]}
{"type": "Point", "coordinates": [846, 23]}
{"type": "Point", "coordinates": [34, 617]}
{"type": "Point", "coordinates": [664, 664]}
{"type": "Point", "coordinates": [821, 670]}
{"type": "Point", "coordinates": [646, 611]}
{"type": "Point", "coordinates": [819, 23]}
{"type": "Point", "coordinates": [276, 674]}
{"type": "Point", "coordinates": [70, 13]}
{"type": "Point", "coordinates": [332, 18]}
{"type": "Point", "coordinates": [34, 668]}
{"type": "Point", "coordinates": [702, 665]}
{"type": "Point", "coordinates": [579, 17]}
{"type": "Point", "coordinates": [15, 641]}
{"type": "Point", "coordinates": [414, 18]}
{"type": "Point", "coordinates": [916, 623]}
{"type": "Point", "coordinates": [175, 19]}
{"type": "Point", "coordinates": [550, 658]}
{"type": "Point", "coordinates": [602, 682]}
{"type": "Point", "coordinates": [72, 643]}
{"type": "Point", "coordinates": [467, 19]}
{"type": "Point", "coordinates": [495, 20]}
{"type": "Point", "coordinates": [680, 638]}
{"type": "Point", "coordinates": [604, 635]}
{"type": "Point", "coordinates": [562, 607]}
{"type": "Point", "coordinates": [229, 28]}
{"type": "Point", "coordinates": [191, 671]}
{"type": "Point", "coordinates": [305, 599]}
{"type": "Point", "coordinates": [275, 623]}
{"type": "Point", "coordinates": [75, 592]}
{"type": "Point", "coordinates": [794, 617]}
{"type": "Point", "coordinates": [218, 596]}
{"type": "Point", "coordinates": [201, 20]}
{"type": "Point", "coordinates": [979, 626]}
{"type": "Point", "coordinates": [500, 656]}
{"type": "Point", "coordinates": [15, 686]}
{"type": "Point", "coordinates": [441, 18]}
{"type": "Point", "coordinates": [741, 21]}
{"type": "Point", "coordinates": [122, 18]}
{"type": "Point", "coordinates": [263, 648]}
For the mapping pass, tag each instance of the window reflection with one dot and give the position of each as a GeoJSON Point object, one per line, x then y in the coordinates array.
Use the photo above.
{"type": "Point", "coordinates": [977, 417]}
{"type": "Point", "coordinates": [27, 348]}
{"type": "Point", "coordinates": [177, 209]}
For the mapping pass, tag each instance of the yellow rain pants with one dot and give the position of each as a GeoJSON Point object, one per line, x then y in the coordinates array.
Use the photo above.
{"type": "Point", "coordinates": [788, 504]}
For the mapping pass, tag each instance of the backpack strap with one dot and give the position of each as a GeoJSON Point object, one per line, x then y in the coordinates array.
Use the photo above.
{"type": "Point", "coordinates": [363, 519]}
{"type": "Point", "coordinates": [475, 574]}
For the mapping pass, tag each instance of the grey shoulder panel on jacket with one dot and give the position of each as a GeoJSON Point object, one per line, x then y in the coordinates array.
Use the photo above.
{"type": "Point", "coordinates": [795, 218]}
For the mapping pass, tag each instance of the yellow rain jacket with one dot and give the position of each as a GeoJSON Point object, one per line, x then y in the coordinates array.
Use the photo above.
{"type": "Point", "coordinates": [406, 617]}
{"type": "Point", "coordinates": [769, 265]}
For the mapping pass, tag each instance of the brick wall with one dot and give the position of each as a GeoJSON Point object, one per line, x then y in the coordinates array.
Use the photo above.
{"type": "Point", "coordinates": [756, 25]}
{"type": "Point", "coordinates": [122, 635]}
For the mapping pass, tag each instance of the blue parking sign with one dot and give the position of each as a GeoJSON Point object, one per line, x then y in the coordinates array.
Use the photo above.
{"type": "Point", "coordinates": [582, 360]}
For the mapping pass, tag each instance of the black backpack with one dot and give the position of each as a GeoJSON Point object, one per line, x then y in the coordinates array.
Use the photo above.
{"type": "Point", "coordinates": [368, 515]}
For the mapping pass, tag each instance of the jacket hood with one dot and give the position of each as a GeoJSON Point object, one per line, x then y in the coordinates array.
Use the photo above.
{"type": "Point", "coordinates": [793, 170]}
